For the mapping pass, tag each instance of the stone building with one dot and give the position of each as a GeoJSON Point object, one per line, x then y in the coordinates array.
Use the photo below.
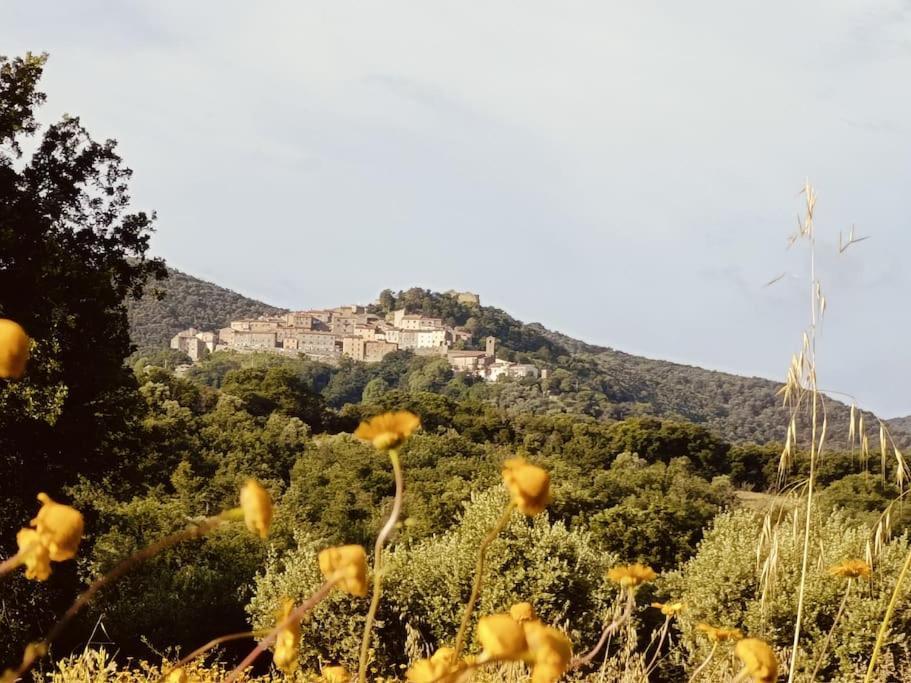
{"type": "Point", "coordinates": [366, 350]}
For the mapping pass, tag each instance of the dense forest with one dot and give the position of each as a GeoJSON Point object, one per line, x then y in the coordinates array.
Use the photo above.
{"type": "Point", "coordinates": [645, 462]}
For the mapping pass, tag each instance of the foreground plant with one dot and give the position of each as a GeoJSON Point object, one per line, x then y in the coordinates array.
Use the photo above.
{"type": "Point", "coordinates": [529, 489]}
{"type": "Point", "coordinates": [716, 635]}
{"type": "Point", "coordinates": [759, 662]}
{"type": "Point", "coordinates": [14, 345]}
{"type": "Point", "coordinates": [54, 536]}
{"type": "Point", "coordinates": [387, 432]}
{"type": "Point", "coordinates": [344, 567]}
{"type": "Point", "coordinates": [58, 529]}
{"type": "Point", "coordinates": [629, 577]}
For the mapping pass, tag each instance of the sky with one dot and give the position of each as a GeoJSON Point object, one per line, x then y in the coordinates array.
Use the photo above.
{"type": "Point", "coordinates": [626, 173]}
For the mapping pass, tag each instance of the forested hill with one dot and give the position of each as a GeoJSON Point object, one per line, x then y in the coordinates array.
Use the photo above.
{"type": "Point", "coordinates": [901, 424]}
{"type": "Point", "coordinates": [583, 378]}
{"type": "Point", "coordinates": [186, 301]}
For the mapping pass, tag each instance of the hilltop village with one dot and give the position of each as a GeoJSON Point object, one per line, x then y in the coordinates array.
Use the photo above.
{"type": "Point", "coordinates": [351, 331]}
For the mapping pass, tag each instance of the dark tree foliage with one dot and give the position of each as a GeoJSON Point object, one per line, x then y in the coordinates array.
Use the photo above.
{"type": "Point", "coordinates": [71, 252]}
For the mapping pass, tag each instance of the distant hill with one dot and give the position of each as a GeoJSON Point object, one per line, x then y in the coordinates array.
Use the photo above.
{"type": "Point", "coordinates": [583, 378]}
{"type": "Point", "coordinates": [187, 302]}
{"type": "Point", "coordinates": [901, 424]}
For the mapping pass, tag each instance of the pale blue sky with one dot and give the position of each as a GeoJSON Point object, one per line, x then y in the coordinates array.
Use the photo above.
{"type": "Point", "coordinates": [627, 173]}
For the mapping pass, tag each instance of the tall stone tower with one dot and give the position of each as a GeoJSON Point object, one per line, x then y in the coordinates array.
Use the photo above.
{"type": "Point", "coordinates": [491, 349]}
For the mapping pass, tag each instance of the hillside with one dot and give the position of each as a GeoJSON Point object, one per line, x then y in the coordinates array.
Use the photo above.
{"type": "Point", "coordinates": [901, 424]}
{"type": "Point", "coordinates": [185, 302]}
{"type": "Point", "coordinates": [583, 379]}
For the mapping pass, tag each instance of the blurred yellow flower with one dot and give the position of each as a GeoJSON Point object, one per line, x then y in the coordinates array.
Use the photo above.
{"type": "Point", "coordinates": [335, 674]}
{"type": "Point", "coordinates": [33, 554]}
{"type": "Point", "coordinates": [631, 575]}
{"type": "Point", "coordinates": [177, 676]}
{"type": "Point", "coordinates": [528, 485]}
{"type": "Point", "coordinates": [522, 611]}
{"type": "Point", "coordinates": [13, 349]}
{"type": "Point", "coordinates": [257, 506]}
{"type": "Point", "coordinates": [852, 569]}
{"type": "Point", "coordinates": [444, 655]}
{"type": "Point", "coordinates": [60, 528]}
{"type": "Point", "coordinates": [549, 652]}
{"type": "Point", "coordinates": [389, 430]}
{"type": "Point", "coordinates": [716, 634]}
{"type": "Point", "coordinates": [669, 609]}
{"type": "Point", "coordinates": [287, 642]}
{"type": "Point", "coordinates": [351, 561]}
{"type": "Point", "coordinates": [440, 667]}
{"type": "Point", "coordinates": [758, 659]}
{"type": "Point", "coordinates": [501, 637]}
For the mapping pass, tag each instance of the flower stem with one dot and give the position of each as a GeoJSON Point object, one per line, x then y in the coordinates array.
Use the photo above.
{"type": "Point", "coordinates": [378, 564]}
{"type": "Point", "coordinates": [294, 616]}
{"type": "Point", "coordinates": [884, 626]}
{"type": "Point", "coordinates": [654, 659]}
{"type": "Point", "coordinates": [208, 646]}
{"type": "Point", "coordinates": [825, 645]}
{"type": "Point", "coordinates": [194, 531]}
{"type": "Point", "coordinates": [704, 663]}
{"type": "Point", "coordinates": [479, 577]}
{"type": "Point", "coordinates": [607, 632]}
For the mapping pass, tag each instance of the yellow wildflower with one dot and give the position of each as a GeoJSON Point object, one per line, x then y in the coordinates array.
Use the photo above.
{"type": "Point", "coordinates": [177, 676]}
{"type": "Point", "coordinates": [257, 506]}
{"type": "Point", "coordinates": [351, 561]}
{"type": "Point", "coordinates": [426, 671]}
{"type": "Point", "coordinates": [522, 611]}
{"type": "Point", "coordinates": [389, 430]}
{"type": "Point", "coordinates": [669, 609]}
{"type": "Point", "coordinates": [501, 637]}
{"type": "Point", "coordinates": [33, 554]}
{"type": "Point", "coordinates": [60, 528]}
{"type": "Point", "coordinates": [758, 659]}
{"type": "Point", "coordinates": [528, 485]}
{"type": "Point", "coordinates": [549, 652]}
{"type": "Point", "coordinates": [444, 655]}
{"type": "Point", "coordinates": [33, 651]}
{"type": "Point", "coordinates": [440, 667]}
{"type": "Point", "coordinates": [335, 674]}
{"type": "Point", "coordinates": [851, 569]}
{"type": "Point", "coordinates": [13, 349]}
{"type": "Point", "coordinates": [632, 575]}
{"type": "Point", "coordinates": [287, 642]}
{"type": "Point", "coordinates": [717, 635]}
